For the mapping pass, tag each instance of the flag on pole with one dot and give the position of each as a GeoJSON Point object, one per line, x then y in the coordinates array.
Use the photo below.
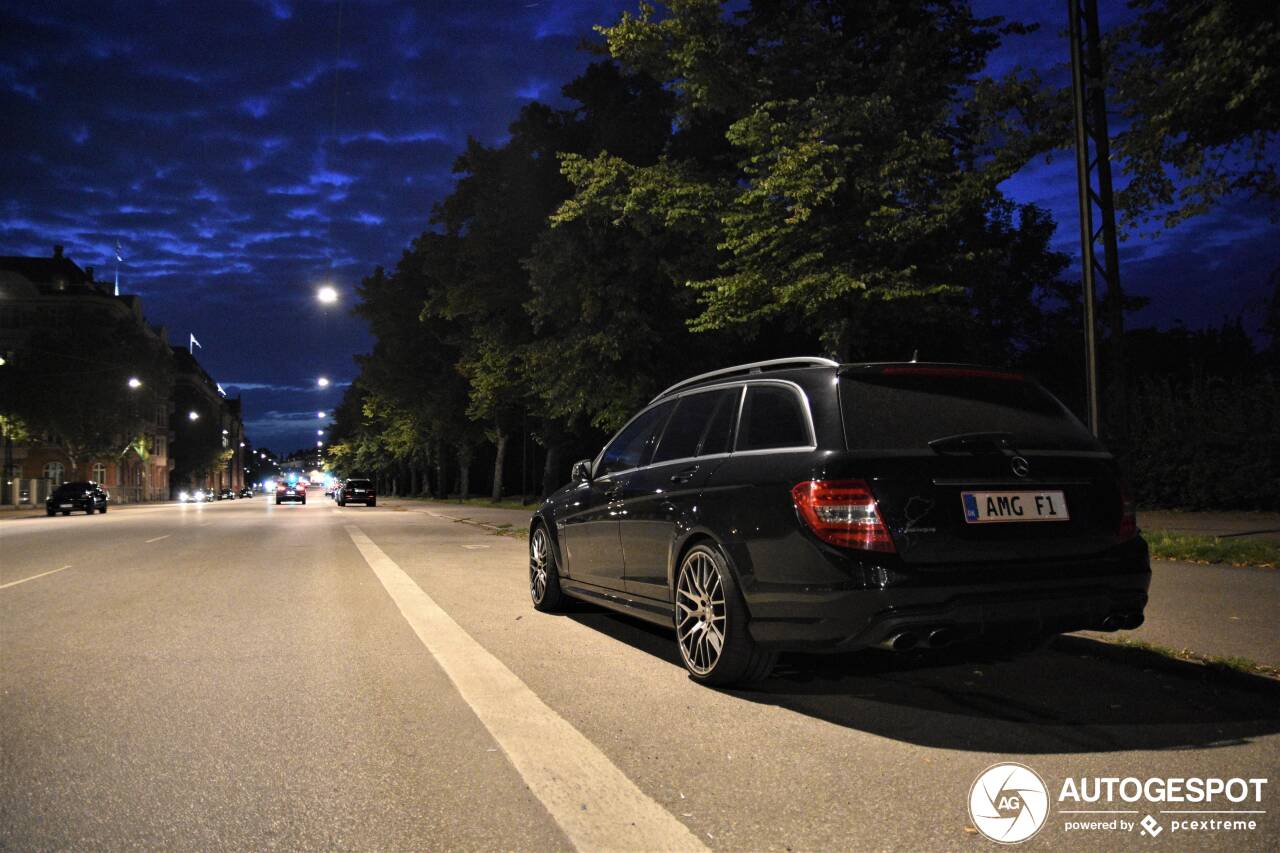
{"type": "Point", "coordinates": [193, 344]}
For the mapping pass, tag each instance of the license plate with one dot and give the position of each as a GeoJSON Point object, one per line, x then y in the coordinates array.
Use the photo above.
{"type": "Point", "coordinates": [64, 506]}
{"type": "Point", "coordinates": [1004, 507]}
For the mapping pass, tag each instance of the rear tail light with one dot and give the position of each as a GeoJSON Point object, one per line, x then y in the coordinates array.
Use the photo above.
{"type": "Point", "coordinates": [1128, 514]}
{"type": "Point", "coordinates": [844, 513]}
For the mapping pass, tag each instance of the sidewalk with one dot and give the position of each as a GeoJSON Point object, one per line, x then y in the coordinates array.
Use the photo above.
{"type": "Point", "coordinates": [9, 512]}
{"type": "Point", "coordinates": [1219, 611]}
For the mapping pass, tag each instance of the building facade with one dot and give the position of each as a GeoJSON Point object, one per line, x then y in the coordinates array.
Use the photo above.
{"type": "Point", "coordinates": [40, 297]}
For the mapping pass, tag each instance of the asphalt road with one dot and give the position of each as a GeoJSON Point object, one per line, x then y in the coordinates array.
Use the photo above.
{"type": "Point", "coordinates": [246, 676]}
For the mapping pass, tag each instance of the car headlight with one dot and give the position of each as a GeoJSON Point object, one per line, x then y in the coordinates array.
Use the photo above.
{"type": "Point", "coordinates": [182, 496]}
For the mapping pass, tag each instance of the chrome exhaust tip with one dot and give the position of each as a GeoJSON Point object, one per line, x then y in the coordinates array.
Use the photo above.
{"type": "Point", "coordinates": [941, 637]}
{"type": "Point", "coordinates": [900, 642]}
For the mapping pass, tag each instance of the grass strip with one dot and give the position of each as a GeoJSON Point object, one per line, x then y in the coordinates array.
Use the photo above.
{"type": "Point", "coordinates": [1232, 664]}
{"type": "Point", "coordinates": [485, 502]}
{"type": "Point", "coordinates": [1212, 549]}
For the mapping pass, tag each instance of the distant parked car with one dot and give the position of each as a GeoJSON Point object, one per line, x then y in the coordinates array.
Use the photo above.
{"type": "Point", "coordinates": [296, 492]}
{"type": "Point", "coordinates": [226, 495]}
{"type": "Point", "coordinates": [357, 491]}
{"type": "Point", "coordinates": [246, 492]}
{"type": "Point", "coordinates": [82, 495]}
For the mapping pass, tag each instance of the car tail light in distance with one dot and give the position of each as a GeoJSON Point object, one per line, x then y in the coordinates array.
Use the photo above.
{"type": "Point", "coordinates": [1128, 515]}
{"type": "Point", "coordinates": [843, 513]}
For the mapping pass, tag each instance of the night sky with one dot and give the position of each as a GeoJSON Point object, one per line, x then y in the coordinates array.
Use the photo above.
{"type": "Point", "coordinates": [245, 153]}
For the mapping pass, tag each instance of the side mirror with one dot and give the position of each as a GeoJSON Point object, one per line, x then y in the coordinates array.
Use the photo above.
{"type": "Point", "coordinates": [581, 472]}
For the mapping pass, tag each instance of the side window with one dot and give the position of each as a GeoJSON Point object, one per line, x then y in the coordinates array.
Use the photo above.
{"type": "Point", "coordinates": [632, 446]}
{"type": "Point", "coordinates": [685, 431]}
{"type": "Point", "coordinates": [772, 417]}
{"type": "Point", "coordinates": [719, 435]}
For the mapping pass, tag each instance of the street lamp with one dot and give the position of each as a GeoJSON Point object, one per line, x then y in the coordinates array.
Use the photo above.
{"type": "Point", "coordinates": [193, 415]}
{"type": "Point", "coordinates": [319, 414]}
{"type": "Point", "coordinates": [327, 294]}
{"type": "Point", "coordinates": [319, 444]}
{"type": "Point", "coordinates": [323, 382]}
{"type": "Point", "coordinates": [319, 432]}
{"type": "Point", "coordinates": [135, 382]}
{"type": "Point", "coordinates": [242, 444]}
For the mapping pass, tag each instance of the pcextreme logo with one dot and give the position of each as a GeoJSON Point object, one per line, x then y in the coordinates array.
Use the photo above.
{"type": "Point", "coordinates": [1008, 803]}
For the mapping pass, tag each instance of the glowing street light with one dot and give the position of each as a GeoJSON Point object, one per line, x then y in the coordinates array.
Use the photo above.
{"type": "Point", "coordinates": [319, 414]}
{"type": "Point", "coordinates": [193, 415]}
{"type": "Point", "coordinates": [135, 382]}
{"type": "Point", "coordinates": [327, 294]}
{"type": "Point", "coordinates": [323, 382]}
{"type": "Point", "coordinates": [319, 444]}
{"type": "Point", "coordinates": [319, 432]}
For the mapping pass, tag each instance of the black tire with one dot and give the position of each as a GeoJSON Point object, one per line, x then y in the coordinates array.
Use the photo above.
{"type": "Point", "coordinates": [277, 502]}
{"type": "Point", "coordinates": [51, 513]}
{"type": "Point", "coordinates": [342, 503]}
{"type": "Point", "coordinates": [705, 572]}
{"type": "Point", "coordinates": [304, 501]}
{"type": "Point", "coordinates": [371, 503]}
{"type": "Point", "coordinates": [544, 572]}
{"type": "Point", "coordinates": [104, 508]}
{"type": "Point", "coordinates": [66, 512]}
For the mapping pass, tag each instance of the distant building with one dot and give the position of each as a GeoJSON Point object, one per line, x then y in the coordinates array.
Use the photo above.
{"type": "Point", "coordinates": [41, 294]}
{"type": "Point", "coordinates": [217, 424]}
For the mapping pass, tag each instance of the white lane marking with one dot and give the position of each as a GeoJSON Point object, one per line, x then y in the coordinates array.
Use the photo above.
{"type": "Point", "coordinates": [157, 539]}
{"type": "Point", "coordinates": [593, 802]}
{"type": "Point", "coordinates": [33, 577]}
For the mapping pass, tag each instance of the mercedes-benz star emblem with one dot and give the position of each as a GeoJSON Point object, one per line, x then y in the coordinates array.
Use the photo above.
{"type": "Point", "coordinates": [1020, 466]}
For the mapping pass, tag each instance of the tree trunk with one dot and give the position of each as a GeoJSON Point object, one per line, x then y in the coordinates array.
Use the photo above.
{"type": "Point", "coordinates": [464, 471]}
{"type": "Point", "coordinates": [552, 476]}
{"type": "Point", "coordinates": [500, 453]}
{"type": "Point", "coordinates": [442, 485]}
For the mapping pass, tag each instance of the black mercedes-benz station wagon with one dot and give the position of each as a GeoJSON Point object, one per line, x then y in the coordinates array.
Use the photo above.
{"type": "Point", "coordinates": [802, 504]}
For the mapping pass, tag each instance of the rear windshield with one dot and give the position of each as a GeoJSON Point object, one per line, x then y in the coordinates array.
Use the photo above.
{"type": "Point", "coordinates": [905, 409]}
{"type": "Point", "coordinates": [359, 484]}
{"type": "Point", "coordinates": [75, 487]}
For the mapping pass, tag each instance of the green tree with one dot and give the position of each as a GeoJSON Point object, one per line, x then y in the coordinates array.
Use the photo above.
{"type": "Point", "coordinates": [866, 152]}
{"type": "Point", "coordinates": [1198, 83]}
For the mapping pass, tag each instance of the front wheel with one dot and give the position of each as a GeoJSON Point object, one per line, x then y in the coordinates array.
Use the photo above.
{"type": "Point", "coordinates": [544, 577]}
{"type": "Point", "coordinates": [104, 508]}
{"type": "Point", "coordinates": [711, 623]}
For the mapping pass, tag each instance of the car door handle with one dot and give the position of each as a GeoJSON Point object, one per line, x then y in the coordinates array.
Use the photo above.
{"type": "Point", "coordinates": [684, 475]}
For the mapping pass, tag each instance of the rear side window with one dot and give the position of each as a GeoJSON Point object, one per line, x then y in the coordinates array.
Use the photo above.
{"type": "Point", "coordinates": [906, 408]}
{"type": "Point", "coordinates": [631, 447]}
{"type": "Point", "coordinates": [772, 416]}
{"type": "Point", "coordinates": [689, 424]}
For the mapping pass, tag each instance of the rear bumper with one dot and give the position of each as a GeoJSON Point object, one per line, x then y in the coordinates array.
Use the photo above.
{"type": "Point", "coordinates": [1105, 594]}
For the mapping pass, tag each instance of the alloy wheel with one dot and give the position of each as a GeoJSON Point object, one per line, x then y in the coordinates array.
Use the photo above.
{"type": "Point", "coordinates": [701, 616]}
{"type": "Point", "coordinates": [539, 564]}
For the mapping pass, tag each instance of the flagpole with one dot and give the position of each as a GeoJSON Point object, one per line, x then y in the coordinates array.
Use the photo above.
{"type": "Point", "coordinates": [118, 260]}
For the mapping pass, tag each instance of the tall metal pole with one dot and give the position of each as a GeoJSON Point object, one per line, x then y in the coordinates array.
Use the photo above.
{"type": "Point", "coordinates": [1086, 215]}
{"type": "Point", "coordinates": [1099, 251]}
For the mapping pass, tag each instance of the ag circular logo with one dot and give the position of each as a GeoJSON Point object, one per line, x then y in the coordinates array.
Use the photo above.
{"type": "Point", "coordinates": [1008, 803]}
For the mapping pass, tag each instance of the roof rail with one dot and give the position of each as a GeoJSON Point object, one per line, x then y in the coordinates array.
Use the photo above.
{"type": "Point", "coordinates": [753, 367]}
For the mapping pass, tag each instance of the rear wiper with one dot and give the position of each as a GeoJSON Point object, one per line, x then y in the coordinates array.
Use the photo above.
{"type": "Point", "coordinates": [970, 440]}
